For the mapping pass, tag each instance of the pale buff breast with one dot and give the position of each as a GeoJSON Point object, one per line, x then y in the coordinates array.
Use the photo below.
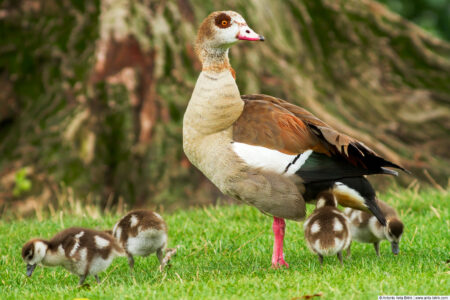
{"type": "Point", "coordinates": [207, 141]}
{"type": "Point", "coordinates": [207, 126]}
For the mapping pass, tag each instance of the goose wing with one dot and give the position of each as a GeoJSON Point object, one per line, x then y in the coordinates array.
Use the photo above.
{"type": "Point", "coordinates": [274, 134]}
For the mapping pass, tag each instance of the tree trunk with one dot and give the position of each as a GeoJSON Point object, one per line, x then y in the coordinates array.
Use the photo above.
{"type": "Point", "coordinates": [95, 92]}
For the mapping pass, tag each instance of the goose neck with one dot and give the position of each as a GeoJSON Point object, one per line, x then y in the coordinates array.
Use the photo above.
{"type": "Point", "coordinates": [214, 60]}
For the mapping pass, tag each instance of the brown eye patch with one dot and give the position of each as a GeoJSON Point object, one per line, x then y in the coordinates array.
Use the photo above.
{"type": "Point", "coordinates": [223, 20]}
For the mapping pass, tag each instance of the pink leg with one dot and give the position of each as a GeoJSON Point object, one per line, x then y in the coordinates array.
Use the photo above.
{"type": "Point", "coordinates": [278, 231]}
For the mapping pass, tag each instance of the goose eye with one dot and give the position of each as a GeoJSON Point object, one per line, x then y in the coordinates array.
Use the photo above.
{"type": "Point", "coordinates": [223, 20]}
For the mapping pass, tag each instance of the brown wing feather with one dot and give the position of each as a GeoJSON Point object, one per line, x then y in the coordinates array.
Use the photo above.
{"type": "Point", "coordinates": [338, 140]}
{"type": "Point", "coordinates": [267, 124]}
{"type": "Point", "coordinates": [277, 124]}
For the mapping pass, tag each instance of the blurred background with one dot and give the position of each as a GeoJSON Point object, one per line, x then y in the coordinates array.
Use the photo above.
{"type": "Point", "coordinates": [93, 92]}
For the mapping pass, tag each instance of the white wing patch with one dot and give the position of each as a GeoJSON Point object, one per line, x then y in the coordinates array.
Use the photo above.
{"type": "Point", "coordinates": [77, 243]}
{"type": "Point", "coordinates": [133, 221]}
{"type": "Point", "coordinates": [315, 227]}
{"type": "Point", "coordinates": [269, 159]}
{"type": "Point", "coordinates": [80, 234]}
{"type": "Point", "coordinates": [337, 225]}
{"type": "Point", "coordinates": [74, 249]}
{"type": "Point", "coordinates": [101, 242]}
{"type": "Point", "coordinates": [320, 203]}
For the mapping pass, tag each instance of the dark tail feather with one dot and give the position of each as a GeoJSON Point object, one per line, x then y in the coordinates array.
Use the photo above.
{"type": "Point", "coordinates": [392, 165]}
{"type": "Point", "coordinates": [373, 160]}
{"type": "Point", "coordinates": [365, 189]}
{"type": "Point", "coordinates": [376, 211]}
{"type": "Point", "coordinates": [389, 171]}
{"type": "Point", "coordinates": [359, 184]}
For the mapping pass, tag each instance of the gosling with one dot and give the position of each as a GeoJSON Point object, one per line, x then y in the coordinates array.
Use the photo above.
{"type": "Point", "coordinates": [365, 227]}
{"type": "Point", "coordinates": [141, 233]}
{"type": "Point", "coordinates": [81, 251]}
{"type": "Point", "coordinates": [327, 229]}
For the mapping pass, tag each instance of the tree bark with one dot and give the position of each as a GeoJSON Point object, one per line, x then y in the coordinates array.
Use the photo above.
{"type": "Point", "coordinates": [95, 92]}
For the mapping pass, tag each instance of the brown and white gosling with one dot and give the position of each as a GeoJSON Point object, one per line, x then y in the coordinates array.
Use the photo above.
{"type": "Point", "coordinates": [327, 229]}
{"type": "Point", "coordinates": [81, 251]}
{"type": "Point", "coordinates": [143, 232]}
{"type": "Point", "coordinates": [365, 227]}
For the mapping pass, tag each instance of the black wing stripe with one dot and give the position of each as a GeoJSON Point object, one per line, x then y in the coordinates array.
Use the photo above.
{"type": "Point", "coordinates": [291, 163]}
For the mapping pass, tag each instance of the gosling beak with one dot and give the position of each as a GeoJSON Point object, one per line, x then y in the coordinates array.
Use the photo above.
{"type": "Point", "coordinates": [395, 248]}
{"type": "Point", "coordinates": [30, 269]}
{"type": "Point", "coordinates": [247, 34]}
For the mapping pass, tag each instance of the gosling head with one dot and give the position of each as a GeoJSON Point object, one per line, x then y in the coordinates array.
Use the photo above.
{"type": "Point", "coordinates": [393, 232]}
{"type": "Point", "coordinates": [33, 252]}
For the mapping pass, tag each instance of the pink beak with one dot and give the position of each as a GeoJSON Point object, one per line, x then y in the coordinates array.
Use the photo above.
{"type": "Point", "coordinates": [247, 34]}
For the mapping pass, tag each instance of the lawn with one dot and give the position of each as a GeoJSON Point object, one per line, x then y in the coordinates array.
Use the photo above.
{"type": "Point", "coordinates": [225, 253]}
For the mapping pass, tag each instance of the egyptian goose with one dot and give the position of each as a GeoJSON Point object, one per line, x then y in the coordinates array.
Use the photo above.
{"type": "Point", "coordinates": [143, 232]}
{"type": "Point", "coordinates": [327, 229]}
{"type": "Point", "coordinates": [261, 149]}
{"type": "Point", "coordinates": [367, 229]}
{"type": "Point", "coordinates": [81, 251]}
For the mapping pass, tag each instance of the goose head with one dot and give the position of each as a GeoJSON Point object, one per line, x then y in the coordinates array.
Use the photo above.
{"type": "Point", "coordinates": [218, 32]}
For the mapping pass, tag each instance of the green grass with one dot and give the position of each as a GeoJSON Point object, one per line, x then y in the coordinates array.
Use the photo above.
{"type": "Point", "coordinates": [225, 253]}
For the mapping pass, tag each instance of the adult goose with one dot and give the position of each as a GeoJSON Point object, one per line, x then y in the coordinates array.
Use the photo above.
{"type": "Point", "coordinates": [263, 150]}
